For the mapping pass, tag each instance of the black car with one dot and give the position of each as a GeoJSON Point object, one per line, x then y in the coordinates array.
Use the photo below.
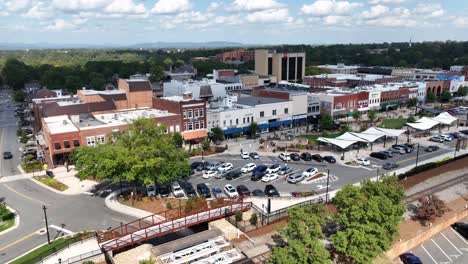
{"type": "Point", "coordinates": [258, 172]}
{"type": "Point", "coordinates": [231, 175]}
{"type": "Point", "coordinates": [258, 193]}
{"type": "Point", "coordinates": [431, 148]}
{"type": "Point", "coordinates": [188, 189]}
{"type": "Point", "coordinates": [271, 191]}
{"type": "Point", "coordinates": [317, 157]}
{"type": "Point", "coordinates": [203, 190]}
{"type": "Point", "coordinates": [242, 190]}
{"type": "Point", "coordinates": [461, 228]}
{"type": "Point", "coordinates": [410, 145]}
{"type": "Point", "coordinates": [164, 190]}
{"type": "Point", "coordinates": [197, 165]}
{"type": "Point", "coordinates": [306, 156]}
{"type": "Point", "coordinates": [24, 123]}
{"type": "Point", "coordinates": [7, 155]}
{"type": "Point", "coordinates": [295, 156]}
{"type": "Point", "coordinates": [390, 165]}
{"type": "Point", "coordinates": [329, 159]}
{"type": "Point", "coordinates": [410, 258]}
{"type": "Point", "coordinates": [378, 155]}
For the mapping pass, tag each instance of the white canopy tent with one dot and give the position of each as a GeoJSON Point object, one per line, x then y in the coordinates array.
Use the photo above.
{"type": "Point", "coordinates": [341, 143]}
{"type": "Point", "coordinates": [445, 118]}
{"type": "Point", "coordinates": [351, 137]}
{"type": "Point", "coordinates": [384, 131]}
{"type": "Point", "coordinates": [367, 137]}
{"type": "Point", "coordinates": [424, 123]}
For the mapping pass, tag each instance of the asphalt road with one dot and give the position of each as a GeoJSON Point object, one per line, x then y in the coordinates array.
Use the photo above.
{"type": "Point", "coordinates": [72, 213]}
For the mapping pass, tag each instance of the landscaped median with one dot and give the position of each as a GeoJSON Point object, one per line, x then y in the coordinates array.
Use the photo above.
{"type": "Point", "coordinates": [51, 182]}
{"type": "Point", "coordinates": [42, 252]}
{"type": "Point", "coordinates": [7, 217]}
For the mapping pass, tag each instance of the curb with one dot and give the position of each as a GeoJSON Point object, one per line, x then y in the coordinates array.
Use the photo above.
{"type": "Point", "coordinates": [17, 221]}
{"type": "Point", "coordinates": [47, 187]}
{"type": "Point", "coordinates": [113, 204]}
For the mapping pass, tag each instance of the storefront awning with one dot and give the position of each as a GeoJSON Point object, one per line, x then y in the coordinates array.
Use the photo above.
{"type": "Point", "coordinates": [196, 134]}
{"type": "Point", "coordinates": [274, 124]}
{"type": "Point", "coordinates": [287, 122]}
{"type": "Point", "coordinates": [234, 130]}
{"type": "Point", "coordinates": [263, 126]}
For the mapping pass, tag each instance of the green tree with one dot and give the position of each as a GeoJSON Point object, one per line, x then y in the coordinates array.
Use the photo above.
{"type": "Point", "coordinates": [143, 153]}
{"type": "Point", "coordinates": [178, 139]}
{"type": "Point", "coordinates": [156, 73]}
{"type": "Point", "coordinates": [218, 134]}
{"type": "Point", "coordinates": [356, 115]}
{"type": "Point", "coordinates": [147, 261]}
{"type": "Point", "coordinates": [15, 73]}
{"type": "Point", "coordinates": [411, 119]}
{"type": "Point", "coordinates": [430, 97]}
{"type": "Point", "coordinates": [446, 96]}
{"type": "Point", "coordinates": [412, 102]}
{"type": "Point", "coordinates": [179, 63]}
{"type": "Point", "coordinates": [253, 129]}
{"type": "Point", "coordinates": [314, 70]}
{"type": "Point", "coordinates": [302, 234]}
{"type": "Point", "coordinates": [367, 219]}
{"type": "Point", "coordinates": [326, 121]}
{"type": "Point", "coordinates": [19, 96]}
{"type": "Point", "coordinates": [372, 115]}
{"type": "Point", "coordinates": [253, 219]}
{"type": "Point", "coordinates": [462, 91]}
{"type": "Point", "coordinates": [73, 83]}
{"type": "Point", "coordinates": [97, 81]}
{"type": "Point", "coordinates": [168, 62]}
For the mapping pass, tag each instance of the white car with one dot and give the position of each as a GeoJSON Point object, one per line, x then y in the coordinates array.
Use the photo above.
{"type": "Point", "coordinates": [275, 168]}
{"type": "Point", "coordinates": [284, 156]}
{"type": "Point", "coordinates": [363, 161]}
{"type": "Point", "coordinates": [310, 172]}
{"type": "Point", "coordinates": [447, 137]}
{"type": "Point", "coordinates": [244, 155]}
{"type": "Point", "coordinates": [270, 177]}
{"type": "Point", "coordinates": [177, 190]}
{"type": "Point", "coordinates": [230, 191]}
{"type": "Point", "coordinates": [151, 190]}
{"type": "Point", "coordinates": [249, 167]}
{"type": "Point", "coordinates": [225, 167]}
{"type": "Point", "coordinates": [209, 174]}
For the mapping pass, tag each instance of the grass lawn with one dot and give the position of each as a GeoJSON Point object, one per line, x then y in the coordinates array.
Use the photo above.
{"type": "Point", "coordinates": [313, 138]}
{"type": "Point", "coordinates": [395, 123]}
{"type": "Point", "coordinates": [46, 250]}
{"type": "Point", "coordinates": [37, 167]}
{"type": "Point", "coordinates": [8, 220]}
{"type": "Point", "coordinates": [51, 182]}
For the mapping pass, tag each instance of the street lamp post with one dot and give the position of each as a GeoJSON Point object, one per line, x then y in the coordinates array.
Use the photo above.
{"type": "Point", "coordinates": [417, 155]}
{"type": "Point", "coordinates": [378, 169]}
{"type": "Point", "coordinates": [328, 180]}
{"type": "Point", "coordinates": [202, 157]}
{"type": "Point", "coordinates": [46, 223]}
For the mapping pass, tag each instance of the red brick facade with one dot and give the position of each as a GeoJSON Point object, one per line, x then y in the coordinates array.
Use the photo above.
{"type": "Point", "coordinates": [271, 94]}
{"type": "Point", "coordinates": [437, 87]}
{"type": "Point", "coordinates": [240, 55]}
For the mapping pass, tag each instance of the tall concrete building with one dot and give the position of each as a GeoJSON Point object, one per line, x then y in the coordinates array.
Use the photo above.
{"type": "Point", "coordinates": [283, 66]}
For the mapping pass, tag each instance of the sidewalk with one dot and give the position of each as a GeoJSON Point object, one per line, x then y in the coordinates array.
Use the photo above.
{"type": "Point", "coordinates": [75, 185]}
{"type": "Point", "coordinates": [84, 248]}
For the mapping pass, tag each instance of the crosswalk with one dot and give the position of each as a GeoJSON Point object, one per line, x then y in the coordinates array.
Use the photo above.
{"type": "Point", "coordinates": [333, 178]}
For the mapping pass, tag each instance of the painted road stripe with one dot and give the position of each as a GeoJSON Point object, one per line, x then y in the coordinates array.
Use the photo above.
{"type": "Point", "coordinates": [437, 245]}
{"type": "Point", "coordinates": [19, 240]}
{"type": "Point", "coordinates": [427, 252]}
{"type": "Point", "coordinates": [451, 243]}
{"type": "Point", "coordinates": [61, 229]}
{"type": "Point", "coordinates": [456, 233]}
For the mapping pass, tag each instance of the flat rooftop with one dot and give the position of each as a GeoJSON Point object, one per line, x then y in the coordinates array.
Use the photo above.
{"type": "Point", "coordinates": [60, 124]}
{"type": "Point", "coordinates": [178, 98]}
{"type": "Point", "coordinates": [95, 92]}
{"type": "Point", "coordinates": [254, 100]}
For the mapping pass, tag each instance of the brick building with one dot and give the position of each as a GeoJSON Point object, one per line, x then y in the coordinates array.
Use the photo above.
{"type": "Point", "coordinates": [236, 55]}
{"type": "Point", "coordinates": [437, 87]}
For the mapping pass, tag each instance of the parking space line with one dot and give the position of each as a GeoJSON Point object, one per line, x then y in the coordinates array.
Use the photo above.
{"type": "Point", "coordinates": [427, 252]}
{"type": "Point", "coordinates": [437, 245]}
{"type": "Point", "coordinates": [456, 233]}
{"type": "Point", "coordinates": [451, 243]}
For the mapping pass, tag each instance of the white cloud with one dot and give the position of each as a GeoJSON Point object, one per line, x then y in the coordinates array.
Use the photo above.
{"type": "Point", "coordinates": [60, 24]}
{"type": "Point", "coordinates": [391, 21]}
{"type": "Point", "coordinates": [80, 5]}
{"type": "Point", "coordinates": [17, 5]}
{"type": "Point", "coordinates": [256, 5]}
{"type": "Point", "coordinates": [171, 6]}
{"type": "Point", "coordinates": [375, 11]}
{"type": "Point", "coordinates": [461, 22]}
{"type": "Point", "coordinates": [213, 6]}
{"type": "Point", "coordinates": [270, 16]}
{"type": "Point", "coordinates": [336, 20]}
{"type": "Point", "coordinates": [329, 7]}
{"type": "Point", "coordinates": [376, 2]}
{"type": "Point", "coordinates": [429, 10]}
{"type": "Point", "coordinates": [125, 7]}
{"type": "Point", "coordinates": [39, 11]}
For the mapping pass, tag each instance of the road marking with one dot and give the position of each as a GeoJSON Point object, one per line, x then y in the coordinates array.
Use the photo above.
{"type": "Point", "coordinates": [456, 233]}
{"type": "Point", "coordinates": [451, 243]}
{"type": "Point", "coordinates": [427, 252]}
{"type": "Point", "coordinates": [61, 229]}
{"type": "Point", "coordinates": [25, 196]}
{"type": "Point", "coordinates": [19, 240]}
{"type": "Point", "coordinates": [437, 245]}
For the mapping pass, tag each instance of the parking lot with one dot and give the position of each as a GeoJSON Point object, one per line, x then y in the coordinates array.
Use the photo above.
{"type": "Point", "coordinates": [446, 247]}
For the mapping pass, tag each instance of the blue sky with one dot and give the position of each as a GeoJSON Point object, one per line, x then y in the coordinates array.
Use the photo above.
{"type": "Point", "coordinates": [246, 21]}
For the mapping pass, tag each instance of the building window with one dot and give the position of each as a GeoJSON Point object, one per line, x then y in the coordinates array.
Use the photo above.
{"type": "Point", "coordinates": [185, 114]}
{"type": "Point", "coordinates": [230, 122]}
{"type": "Point", "coordinates": [286, 110]}
{"type": "Point", "coordinates": [224, 123]}
{"type": "Point", "coordinates": [195, 112]}
{"type": "Point", "coordinates": [274, 112]}
{"type": "Point", "coordinates": [66, 144]}
{"type": "Point", "coordinates": [201, 112]}
{"type": "Point", "coordinates": [243, 120]}
{"type": "Point", "coordinates": [76, 143]}
{"type": "Point", "coordinates": [190, 126]}
{"type": "Point", "coordinates": [189, 114]}
{"type": "Point", "coordinates": [91, 141]}
{"type": "Point", "coordinates": [202, 124]}
{"type": "Point", "coordinates": [57, 146]}
{"type": "Point", "coordinates": [177, 128]}
{"type": "Point", "coordinates": [100, 139]}
{"type": "Point", "coordinates": [185, 126]}
{"type": "Point", "coordinates": [197, 125]}
{"type": "Point", "coordinates": [237, 121]}
{"type": "Point", "coordinates": [171, 129]}
{"type": "Point", "coordinates": [262, 114]}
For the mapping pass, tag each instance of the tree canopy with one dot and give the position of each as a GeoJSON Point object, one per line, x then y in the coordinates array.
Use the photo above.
{"type": "Point", "coordinates": [326, 121]}
{"type": "Point", "coordinates": [430, 97]}
{"type": "Point", "coordinates": [144, 153]}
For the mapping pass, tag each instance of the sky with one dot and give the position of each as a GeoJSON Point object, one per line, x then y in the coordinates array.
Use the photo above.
{"type": "Point", "coordinates": [124, 22]}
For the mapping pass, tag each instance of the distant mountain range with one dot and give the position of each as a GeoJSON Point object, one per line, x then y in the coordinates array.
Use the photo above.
{"type": "Point", "coordinates": [149, 45]}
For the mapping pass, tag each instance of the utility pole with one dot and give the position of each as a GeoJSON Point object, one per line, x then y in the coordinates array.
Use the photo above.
{"type": "Point", "coordinates": [328, 180]}
{"type": "Point", "coordinates": [417, 155]}
{"type": "Point", "coordinates": [46, 223]}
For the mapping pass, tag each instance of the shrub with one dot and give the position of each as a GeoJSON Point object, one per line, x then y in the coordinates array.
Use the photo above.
{"type": "Point", "coordinates": [168, 206]}
{"type": "Point", "coordinates": [238, 216]}
{"type": "Point", "coordinates": [253, 219]}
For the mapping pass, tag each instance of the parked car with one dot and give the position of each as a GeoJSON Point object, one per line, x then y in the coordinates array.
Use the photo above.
{"type": "Point", "coordinates": [457, 135]}
{"type": "Point", "coordinates": [437, 139]}
{"type": "Point", "coordinates": [177, 189]}
{"type": "Point", "coordinates": [407, 148]}
{"type": "Point", "coordinates": [447, 137]}
{"type": "Point", "coordinates": [410, 258]}
{"type": "Point", "coordinates": [285, 170]}
{"type": "Point", "coordinates": [317, 157]}
{"type": "Point", "coordinates": [387, 153]}
{"type": "Point", "coordinates": [217, 192]}
{"type": "Point", "coordinates": [284, 156]}
{"type": "Point", "coordinates": [233, 174]}
{"type": "Point", "coordinates": [329, 159]}
{"type": "Point", "coordinates": [258, 172]}
{"type": "Point", "coordinates": [295, 178]}
{"type": "Point", "coordinates": [269, 177]}
{"type": "Point", "coordinates": [461, 228]}
{"type": "Point", "coordinates": [230, 191]}
{"type": "Point", "coordinates": [431, 148]}
{"type": "Point", "coordinates": [7, 155]}
{"type": "Point", "coordinates": [245, 155]}
{"type": "Point", "coordinates": [363, 161]}
{"type": "Point", "coordinates": [213, 165]}
{"type": "Point", "coordinates": [254, 155]}
{"type": "Point", "coordinates": [258, 193]}
{"type": "Point", "coordinates": [151, 190]}
{"type": "Point", "coordinates": [249, 167]}
{"type": "Point", "coordinates": [390, 165]}
{"type": "Point", "coordinates": [378, 155]}
{"type": "Point", "coordinates": [295, 156]}
{"type": "Point", "coordinates": [306, 156]}
{"type": "Point", "coordinates": [242, 190]}
{"type": "Point", "coordinates": [310, 172]}
{"type": "Point", "coordinates": [197, 165]}
{"type": "Point", "coordinates": [203, 190]}
{"type": "Point", "coordinates": [209, 174]}
{"type": "Point", "coordinates": [188, 188]}
{"type": "Point", "coordinates": [29, 152]}
{"type": "Point", "coordinates": [164, 190]}
{"type": "Point", "coordinates": [271, 191]}
{"type": "Point", "coordinates": [274, 168]}
{"type": "Point", "coordinates": [397, 150]}
{"type": "Point", "coordinates": [225, 167]}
